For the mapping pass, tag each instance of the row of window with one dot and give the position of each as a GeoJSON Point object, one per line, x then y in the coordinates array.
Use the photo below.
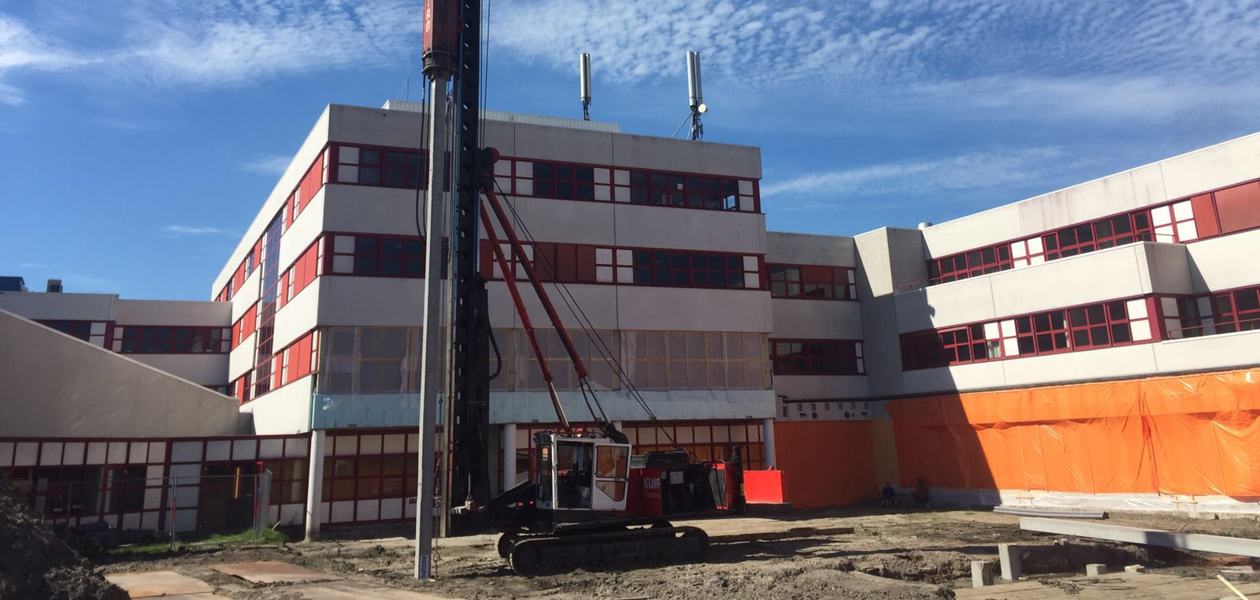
{"type": "Point", "coordinates": [602, 183]}
{"type": "Point", "coordinates": [147, 339]}
{"type": "Point", "coordinates": [405, 168]}
{"type": "Point", "coordinates": [1208, 314]}
{"type": "Point", "coordinates": [706, 441]}
{"type": "Point", "coordinates": [811, 282]}
{"type": "Point", "coordinates": [312, 181]}
{"type": "Point", "coordinates": [92, 332]}
{"type": "Point", "coordinates": [581, 263]}
{"type": "Point", "coordinates": [1229, 210]}
{"type": "Point", "coordinates": [385, 167]}
{"type": "Point", "coordinates": [385, 360]}
{"type": "Point", "coordinates": [1088, 327]}
{"type": "Point", "coordinates": [817, 357]}
{"type": "Point", "coordinates": [295, 361]}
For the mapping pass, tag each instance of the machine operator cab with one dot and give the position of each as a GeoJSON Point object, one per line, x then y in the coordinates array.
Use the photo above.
{"type": "Point", "coordinates": [581, 472]}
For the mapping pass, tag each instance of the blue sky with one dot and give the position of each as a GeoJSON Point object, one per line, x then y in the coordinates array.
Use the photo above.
{"type": "Point", "coordinates": [140, 138]}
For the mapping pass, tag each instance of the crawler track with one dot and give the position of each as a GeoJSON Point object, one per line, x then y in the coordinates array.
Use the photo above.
{"type": "Point", "coordinates": [600, 551]}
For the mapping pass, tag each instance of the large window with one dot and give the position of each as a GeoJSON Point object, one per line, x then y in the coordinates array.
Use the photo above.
{"type": "Point", "coordinates": [369, 360]}
{"type": "Point", "coordinates": [572, 181]}
{"type": "Point", "coordinates": [811, 282]}
{"type": "Point", "coordinates": [376, 255]}
{"type": "Point", "coordinates": [1087, 327]}
{"type": "Point", "coordinates": [580, 263]}
{"type": "Point", "coordinates": [172, 339]}
{"type": "Point", "coordinates": [387, 167]}
{"type": "Point", "coordinates": [93, 332]}
{"type": "Point", "coordinates": [816, 357]}
{"type": "Point", "coordinates": [1208, 314]}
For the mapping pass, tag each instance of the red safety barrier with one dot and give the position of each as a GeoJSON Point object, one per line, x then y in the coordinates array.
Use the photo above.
{"type": "Point", "coordinates": [763, 487]}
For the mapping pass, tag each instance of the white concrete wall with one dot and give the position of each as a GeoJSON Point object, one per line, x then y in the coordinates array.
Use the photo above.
{"type": "Point", "coordinates": [1225, 262]}
{"type": "Point", "coordinates": [1217, 352]}
{"type": "Point", "coordinates": [205, 369]}
{"type": "Point", "coordinates": [808, 249]}
{"type": "Point", "coordinates": [173, 312]}
{"type": "Point", "coordinates": [801, 387]}
{"type": "Point", "coordinates": [76, 307]}
{"type": "Point", "coordinates": [58, 386]}
{"type": "Point", "coordinates": [306, 154]}
{"type": "Point", "coordinates": [1114, 273]}
{"type": "Point", "coordinates": [835, 319]}
{"type": "Point", "coordinates": [285, 410]}
{"type": "Point", "coordinates": [1202, 170]}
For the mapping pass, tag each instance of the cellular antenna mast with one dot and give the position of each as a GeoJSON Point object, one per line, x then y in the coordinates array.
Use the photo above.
{"type": "Point", "coordinates": [584, 82]}
{"type": "Point", "coordinates": [695, 95]}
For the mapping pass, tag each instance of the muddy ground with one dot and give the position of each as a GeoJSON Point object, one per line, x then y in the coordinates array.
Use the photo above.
{"type": "Point", "coordinates": [797, 555]}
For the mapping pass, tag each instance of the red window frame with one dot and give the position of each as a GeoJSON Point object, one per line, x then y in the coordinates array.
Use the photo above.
{"type": "Point", "coordinates": [381, 166]}
{"type": "Point", "coordinates": [801, 356]}
{"type": "Point", "coordinates": [245, 326]}
{"type": "Point", "coordinates": [373, 254]}
{"type": "Point", "coordinates": [811, 282]}
{"type": "Point", "coordinates": [1105, 232]}
{"type": "Point", "coordinates": [1106, 324]}
{"type": "Point", "coordinates": [563, 180]}
{"type": "Point", "coordinates": [173, 339]}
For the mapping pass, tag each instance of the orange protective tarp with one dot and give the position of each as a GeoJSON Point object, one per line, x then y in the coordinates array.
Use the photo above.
{"type": "Point", "coordinates": [763, 487]}
{"type": "Point", "coordinates": [1190, 435]}
{"type": "Point", "coordinates": [825, 463]}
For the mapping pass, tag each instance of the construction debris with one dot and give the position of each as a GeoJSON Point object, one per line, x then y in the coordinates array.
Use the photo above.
{"type": "Point", "coordinates": [35, 564]}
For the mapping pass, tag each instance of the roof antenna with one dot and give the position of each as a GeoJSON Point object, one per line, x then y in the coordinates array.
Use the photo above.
{"type": "Point", "coordinates": [584, 78]}
{"type": "Point", "coordinates": [695, 97]}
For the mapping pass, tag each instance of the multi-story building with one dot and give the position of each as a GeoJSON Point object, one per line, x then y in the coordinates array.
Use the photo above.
{"type": "Point", "coordinates": [1082, 347]}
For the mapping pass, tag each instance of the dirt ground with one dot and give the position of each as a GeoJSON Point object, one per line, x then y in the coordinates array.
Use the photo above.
{"type": "Point", "coordinates": [796, 555]}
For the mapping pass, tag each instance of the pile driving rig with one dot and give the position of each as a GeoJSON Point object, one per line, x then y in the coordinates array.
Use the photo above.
{"type": "Point", "coordinates": [590, 503]}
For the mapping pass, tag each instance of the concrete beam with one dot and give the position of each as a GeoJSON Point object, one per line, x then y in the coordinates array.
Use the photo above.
{"type": "Point", "coordinates": [1150, 537]}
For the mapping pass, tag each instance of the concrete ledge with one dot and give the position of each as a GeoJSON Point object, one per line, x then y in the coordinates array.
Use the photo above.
{"type": "Point", "coordinates": [1150, 537]}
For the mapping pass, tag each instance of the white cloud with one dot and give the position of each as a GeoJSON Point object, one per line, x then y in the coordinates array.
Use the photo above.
{"type": "Point", "coordinates": [920, 178]}
{"type": "Point", "coordinates": [22, 50]}
{"type": "Point", "coordinates": [191, 230]}
{"type": "Point", "coordinates": [272, 165]}
{"type": "Point", "coordinates": [238, 42]}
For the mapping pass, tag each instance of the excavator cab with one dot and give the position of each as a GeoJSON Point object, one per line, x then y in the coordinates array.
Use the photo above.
{"type": "Point", "coordinates": [581, 473]}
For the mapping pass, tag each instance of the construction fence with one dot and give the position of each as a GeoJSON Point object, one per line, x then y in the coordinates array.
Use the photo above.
{"type": "Point", "coordinates": [1141, 443]}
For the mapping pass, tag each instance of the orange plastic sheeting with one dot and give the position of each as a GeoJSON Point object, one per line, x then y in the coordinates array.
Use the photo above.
{"type": "Point", "coordinates": [825, 463]}
{"type": "Point", "coordinates": [1191, 435]}
{"type": "Point", "coordinates": [763, 487]}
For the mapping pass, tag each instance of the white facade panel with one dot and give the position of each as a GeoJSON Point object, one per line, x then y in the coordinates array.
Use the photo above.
{"type": "Point", "coordinates": [836, 319]}
{"type": "Point", "coordinates": [299, 316]}
{"type": "Point", "coordinates": [801, 387]}
{"type": "Point", "coordinates": [806, 249]}
{"type": "Point", "coordinates": [690, 229]}
{"type": "Point", "coordinates": [247, 295]}
{"type": "Point", "coordinates": [689, 309]}
{"type": "Point", "coordinates": [1212, 167]}
{"type": "Point", "coordinates": [284, 410]}
{"type": "Point", "coordinates": [203, 369]}
{"type": "Point", "coordinates": [37, 305]}
{"type": "Point", "coordinates": [172, 312]}
{"type": "Point", "coordinates": [1225, 262]}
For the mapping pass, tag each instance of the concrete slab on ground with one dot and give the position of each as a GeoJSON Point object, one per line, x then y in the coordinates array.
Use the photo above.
{"type": "Point", "coordinates": [153, 584]}
{"type": "Point", "coordinates": [354, 590]}
{"type": "Point", "coordinates": [1117, 585]}
{"type": "Point", "coordinates": [273, 571]}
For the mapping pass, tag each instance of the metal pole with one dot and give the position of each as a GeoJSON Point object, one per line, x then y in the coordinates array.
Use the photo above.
{"type": "Point", "coordinates": [431, 375]}
{"type": "Point", "coordinates": [174, 486]}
